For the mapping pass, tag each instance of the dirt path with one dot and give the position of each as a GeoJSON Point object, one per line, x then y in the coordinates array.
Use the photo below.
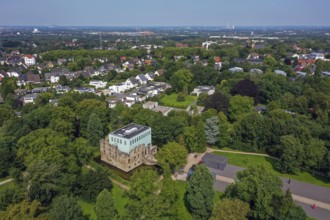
{"type": "Point", "coordinates": [6, 181]}
{"type": "Point", "coordinates": [210, 150]}
{"type": "Point", "coordinates": [121, 185]}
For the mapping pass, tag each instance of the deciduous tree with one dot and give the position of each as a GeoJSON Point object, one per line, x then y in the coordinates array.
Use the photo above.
{"type": "Point", "coordinates": [200, 192]}
{"type": "Point", "coordinates": [65, 208]}
{"type": "Point", "coordinates": [172, 155]}
{"type": "Point", "coordinates": [231, 209]}
{"type": "Point", "coordinates": [105, 207]}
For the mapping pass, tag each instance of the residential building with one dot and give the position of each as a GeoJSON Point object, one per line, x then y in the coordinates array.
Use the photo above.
{"type": "Point", "coordinates": [62, 89]}
{"type": "Point", "coordinates": [236, 69]}
{"type": "Point", "coordinates": [131, 83]}
{"type": "Point", "coordinates": [326, 74]}
{"type": "Point", "coordinates": [142, 79]}
{"type": "Point", "coordinates": [119, 88]}
{"type": "Point", "coordinates": [157, 108]}
{"type": "Point", "coordinates": [159, 72]}
{"type": "Point", "coordinates": [83, 90]}
{"type": "Point", "coordinates": [150, 76]}
{"type": "Point", "coordinates": [280, 72]}
{"type": "Point", "coordinates": [203, 89]}
{"type": "Point", "coordinates": [98, 84]}
{"type": "Point", "coordinates": [258, 71]}
{"type": "Point", "coordinates": [30, 98]}
{"type": "Point", "coordinates": [128, 147]}
{"type": "Point", "coordinates": [29, 60]}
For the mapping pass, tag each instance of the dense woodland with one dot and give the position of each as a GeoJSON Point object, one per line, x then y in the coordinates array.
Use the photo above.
{"type": "Point", "coordinates": [50, 151]}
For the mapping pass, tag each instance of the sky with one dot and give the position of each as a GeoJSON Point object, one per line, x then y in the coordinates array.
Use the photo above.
{"type": "Point", "coordinates": [165, 12]}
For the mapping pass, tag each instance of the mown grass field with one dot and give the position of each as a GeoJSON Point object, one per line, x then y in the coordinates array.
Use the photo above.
{"type": "Point", "coordinates": [271, 164]}
{"type": "Point", "coordinates": [170, 100]}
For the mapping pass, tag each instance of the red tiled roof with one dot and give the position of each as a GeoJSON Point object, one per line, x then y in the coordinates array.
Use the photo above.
{"type": "Point", "coordinates": [217, 59]}
{"type": "Point", "coordinates": [181, 45]}
{"type": "Point", "coordinates": [306, 62]}
{"type": "Point", "coordinates": [28, 56]}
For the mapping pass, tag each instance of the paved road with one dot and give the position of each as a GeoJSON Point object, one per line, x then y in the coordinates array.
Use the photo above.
{"type": "Point", "coordinates": [302, 193]}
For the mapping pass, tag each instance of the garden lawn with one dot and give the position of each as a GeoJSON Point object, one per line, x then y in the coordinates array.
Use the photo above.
{"type": "Point", "coordinates": [120, 199]}
{"type": "Point", "coordinates": [7, 185]}
{"type": "Point", "coordinates": [183, 211]}
{"type": "Point", "coordinates": [270, 164]}
{"type": "Point", "coordinates": [88, 209]}
{"type": "Point", "coordinates": [170, 100]}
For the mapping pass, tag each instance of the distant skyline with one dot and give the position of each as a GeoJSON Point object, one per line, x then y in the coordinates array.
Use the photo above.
{"type": "Point", "coordinates": [165, 13]}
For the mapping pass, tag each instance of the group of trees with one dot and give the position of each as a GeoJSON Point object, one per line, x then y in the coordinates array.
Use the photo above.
{"type": "Point", "coordinates": [270, 114]}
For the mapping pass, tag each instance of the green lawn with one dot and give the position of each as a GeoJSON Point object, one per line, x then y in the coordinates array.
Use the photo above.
{"type": "Point", "coordinates": [120, 199]}
{"type": "Point", "coordinates": [7, 185]}
{"type": "Point", "coordinates": [183, 211]}
{"type": "Point", "coordinates": [170, 100]}
{"type": "Point", "coordinates": [88, 209]}
{"type": "Point", "coordinates": [270, 164]}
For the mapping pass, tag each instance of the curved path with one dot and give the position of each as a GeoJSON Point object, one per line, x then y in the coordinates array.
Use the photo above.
{"type": "Point", "coordinates": [210, 150]}
{"type": "Point", "coordinates": [6, 181]}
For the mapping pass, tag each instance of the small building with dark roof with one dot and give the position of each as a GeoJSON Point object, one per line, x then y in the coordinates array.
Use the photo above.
{"type": "Point", "coordinates": [215, 161]}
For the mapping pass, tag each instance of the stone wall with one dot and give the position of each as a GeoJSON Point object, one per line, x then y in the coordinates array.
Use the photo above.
{"type": "Point", "coordinates": [127, 162]}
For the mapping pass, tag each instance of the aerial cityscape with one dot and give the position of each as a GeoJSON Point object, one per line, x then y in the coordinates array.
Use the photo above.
{"type": "Point", "coordinates": [165, 110]}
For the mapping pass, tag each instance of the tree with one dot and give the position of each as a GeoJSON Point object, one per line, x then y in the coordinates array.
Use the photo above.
{"type": "Point", "coordinates": [231, 209]}
{"type": "Point", "coordinates": [270, 62]}
{"type": "Point", "coordinates": [287, 209]}
{"type": "Point", "coordinates": [315, 152]}
{"type": "Point", "coordinates": [11, 195]}
{"type": "Point", "coordinates": [105, 207]}
{"type": "Point", "coordinates": [84, 110]}
{"type": "Point", "coordinates": [239, 106]}
{"type": "Point", "coordinates": [193, 140]}
{"type": "Point", "coordinates": [65, 208]}
{"type": "Point", "coordinates": [224, 135]}
{"type": "Point", "coordinates": [42, 180]}
{"type": "Point", "coordinates": [217, 101]}
{"type": "Point", "coordinates": [94, 129]}
{"type": "Point", "coordinates": [202, 99]}
{"type": "Point", "coordinates": [258, 187]}
{"type": "Point", "coordinates": [172, 155]}
{"type": "Point", "coordinates": [292, 154]}
{"type": "Point", "coordinates": [63, 120]}
{"type": "Point", "coordinates": [200, 192]}
{"type": "Point", "coordinates": [168, 201]}
{"type": "Point", "coordinates": [6, 113]}
{"type": "Point", "coordinates": [212, 130]}
{"type": "Point", "coordinates": [204, 75]}
{"type": "Point", "coordinates": [251, 133]}
{"type": "Point", "coordinates": [63, 81]}
{"type": "Point", "coordinates": [246, 87]}
{"type": "Point", "coordinates": [143, 194]}
{"type": "Point", "coordinates": [181, 80]}
{"type": "Point", "coordinates": [92, 183]}
{"type": "Point", "coordinates": [181, 97]}
{"type": "Point", "coordinates": [7, 154]}
{"type": "Point", "coordinates": [24, 210]}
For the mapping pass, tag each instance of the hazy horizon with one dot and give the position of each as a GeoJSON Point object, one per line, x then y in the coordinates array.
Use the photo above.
{"type": "Point", "coordinates": [148, 13]}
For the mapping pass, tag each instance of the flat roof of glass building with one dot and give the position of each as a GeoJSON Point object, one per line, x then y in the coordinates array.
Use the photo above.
{"type": "Point", "coordinates": [130, 131]}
